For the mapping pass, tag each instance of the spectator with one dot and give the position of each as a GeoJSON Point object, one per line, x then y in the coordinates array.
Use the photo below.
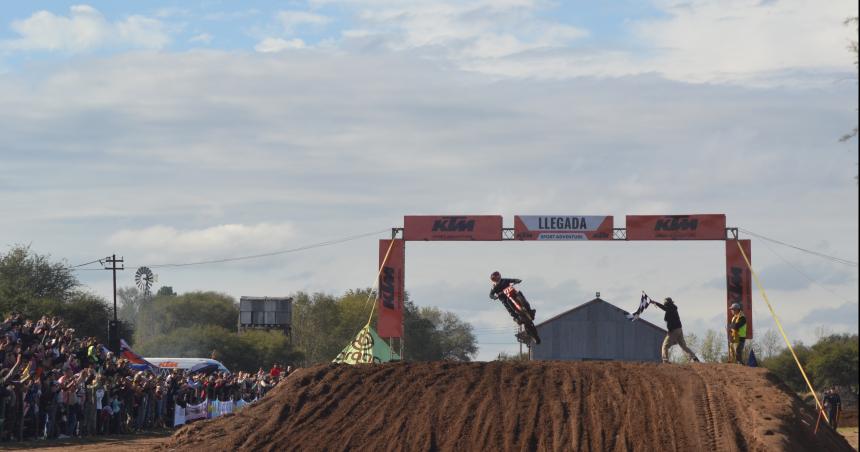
{"type": "Point", "coordinates": [275, 371]}
{"type": "Point", "coordinates": [833, 405]}
{"type": "Point", "coordinates": [53, 384]}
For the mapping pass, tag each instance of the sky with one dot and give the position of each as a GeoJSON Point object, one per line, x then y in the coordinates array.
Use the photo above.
{"type": "Point", "coordinates": [178, 132]}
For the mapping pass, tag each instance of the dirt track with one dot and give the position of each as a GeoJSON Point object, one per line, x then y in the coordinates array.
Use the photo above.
{"type": "Point", "coordinates": [587, 406]}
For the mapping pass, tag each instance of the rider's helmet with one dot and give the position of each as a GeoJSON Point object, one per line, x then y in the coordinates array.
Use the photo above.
{"type": "Point", "coordinates": [495, 277]}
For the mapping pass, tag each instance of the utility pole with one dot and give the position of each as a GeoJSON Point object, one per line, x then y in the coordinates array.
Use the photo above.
{"type": "Point", "coordinates": [519, 332]}
{"type": "Point", "coordinates": [113, 326]}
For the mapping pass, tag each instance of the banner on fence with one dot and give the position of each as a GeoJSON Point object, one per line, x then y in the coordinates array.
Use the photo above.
{"type": "Point", "coordinates": [178, 416]}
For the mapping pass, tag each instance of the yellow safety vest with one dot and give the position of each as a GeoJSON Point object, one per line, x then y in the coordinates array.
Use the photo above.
{"type": "Point", "coordinates": [740, 333]}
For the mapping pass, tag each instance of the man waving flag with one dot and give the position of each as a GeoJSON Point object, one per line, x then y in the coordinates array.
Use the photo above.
{"type": "Point", "coordinates": [643, 304]}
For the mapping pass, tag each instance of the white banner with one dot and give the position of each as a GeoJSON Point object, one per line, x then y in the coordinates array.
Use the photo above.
{"type": "Point", "coordinates": [189, 413]}
{"type": "Point", "coordinates": [193, 412]}
{"type": "Point", "coordinates": [218, 408]}
{"type": "Point", "coordinates": [563, 227]}
{"type": "Point", "coordinates": [178, 416]}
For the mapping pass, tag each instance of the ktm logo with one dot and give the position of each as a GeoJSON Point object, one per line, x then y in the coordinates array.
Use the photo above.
{"type": "Point", "coordinates": [453, 224]}
{"type": "Point", "coordinates": [736, 285]}
{"type": "Point", "coordinates": [676, 224]}
{"type": "Point", "coordinates": [386, 287]}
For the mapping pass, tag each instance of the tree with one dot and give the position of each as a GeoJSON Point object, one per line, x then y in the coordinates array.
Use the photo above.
{"type": "Point", "coordinates": [34, 286]}
{"type": "Point", "coordinates": [29, 281]}
{"type": "Point", "coordinates": [770, 344]}
{"type": "Point", "coordinates": [315, 317]}
{"type": "Point", "coordinates": [131, 301]}
{"type": "Point", "coordinates": [784, 366]}
{"type": "Point", "coordinates": [834, 360]}
{"type": "Point", "coordinates": [323, 325]}
{"type": "Point", "coordinates": [714, 347]}
{"type": "Point", "coordinates": [432, 334]}
{"type": "Point", "coordinates": [166, 313]}
{"type": "Point", "coordinates": [165, 291]}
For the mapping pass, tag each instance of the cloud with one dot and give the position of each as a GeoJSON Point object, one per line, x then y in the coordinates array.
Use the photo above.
{"type": "Point", "coordinates": [784, 276]}
{"type": "Point", "coordinates": [274, 45]}
{"type": "Point", "coordinates": [292, 20]}
{"type": "Point", "coordinates": [746, 42]}
{"type": "Point", "coordinates": [166, 243]}
{"type": "Point", "coordinates": [203, 38]}
{"type": "Point", "coordinates": [710, 40]}
{"type": "Point", "coordinates": [845, 314]}
{"type": "Point", "coordinates": [84, 29]}
{"type": "Point", "coordinates": [463, 30]}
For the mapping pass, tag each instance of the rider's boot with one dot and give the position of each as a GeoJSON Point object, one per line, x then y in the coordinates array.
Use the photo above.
{"type": "Point", "coordinates": [528, 307]}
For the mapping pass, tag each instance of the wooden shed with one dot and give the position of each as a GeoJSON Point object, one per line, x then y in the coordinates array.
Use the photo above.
{"type": "Point", "coordinates": [598, 330]}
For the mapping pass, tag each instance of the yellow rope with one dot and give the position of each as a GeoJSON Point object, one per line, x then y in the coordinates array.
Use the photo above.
{"type": "Point", "coordinates": [781, 331]}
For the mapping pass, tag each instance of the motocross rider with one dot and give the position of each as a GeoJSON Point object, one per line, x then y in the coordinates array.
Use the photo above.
{"type": "Point", "coordinates": [497, 293]}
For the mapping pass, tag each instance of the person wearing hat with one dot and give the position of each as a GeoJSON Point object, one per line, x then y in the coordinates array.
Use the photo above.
{"type": "Point", "coordinates": [833, 405]}
{"type": "Point", "coordinates": [738, 328]}
{"type": "Point", "coordinates": [675, 334]}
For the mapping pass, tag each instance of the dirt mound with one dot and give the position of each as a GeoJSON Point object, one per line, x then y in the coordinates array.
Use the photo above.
{"type": "Point", "coordinates": [586, 406]}
{"type": "Point", "coordinates": [848, 418]}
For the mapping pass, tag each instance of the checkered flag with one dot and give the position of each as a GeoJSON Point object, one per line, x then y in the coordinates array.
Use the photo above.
{"type": "Point", "coordinates": [643, 304]}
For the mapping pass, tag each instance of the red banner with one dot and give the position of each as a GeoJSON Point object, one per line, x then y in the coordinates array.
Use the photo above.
{"type": "Point", "coordinates": [739, 281]}
{"type": "Point", "coordinates": [562, 227]}
{"type": "Point", "coordinates": [676, 227]}
{"type": "Point", "coordinates": [389, 297]}
{"type": "Point", "coordinates": [452, 227]}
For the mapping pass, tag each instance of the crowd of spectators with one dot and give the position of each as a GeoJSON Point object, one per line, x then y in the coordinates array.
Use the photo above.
{"type": "Point", "coordinates": [56, 385]}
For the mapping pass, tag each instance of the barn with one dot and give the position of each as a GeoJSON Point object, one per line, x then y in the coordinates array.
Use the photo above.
{"type": "Point", "coordinates": [598, 330]}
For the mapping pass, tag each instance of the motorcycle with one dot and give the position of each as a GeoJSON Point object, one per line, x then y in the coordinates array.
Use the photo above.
{"type": "Point", "coordinates": [518, 301]}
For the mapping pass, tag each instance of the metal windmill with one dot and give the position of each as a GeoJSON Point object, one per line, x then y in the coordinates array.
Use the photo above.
{"type": "Point", "coordinates": [144, 278]}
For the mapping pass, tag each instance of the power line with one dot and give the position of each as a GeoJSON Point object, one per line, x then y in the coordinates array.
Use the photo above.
{"type": "Point", "coordinates": [273, 253]}
{"type": "Point", "coordinates": [809, 278]}
{"type": "Point", "coordinates": [87, 263]}
{"type": "Point", "coordinates": [253, 256]}
{"type": "Point", "coordinates": [816, 253]}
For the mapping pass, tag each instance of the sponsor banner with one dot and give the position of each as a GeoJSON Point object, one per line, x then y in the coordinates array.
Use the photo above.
{"type": "Point", "coordinates": [190, 413]}
{"type": "Point", "coordinates": [562, 227]}
{"type": "Point", "coordinates": [676, 227]}
{"type": "Point", "coordinates": [193, 412]}
{"type": "Point", "coordinates": [391, 285]}
{"type": "Point", "coordinates": [739, 281]}
{"type": "Point", "coordinates": [366, 348]}
{"type": "Point", "coordinates": [218, 408]}
{"type": "Point", "coordinates": [452, 227]}
{"type": "Point", "coordinates": [178, 415]}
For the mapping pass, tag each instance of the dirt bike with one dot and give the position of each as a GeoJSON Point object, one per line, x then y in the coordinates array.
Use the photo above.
{"type": "Point", "coordinates": [518, 301]}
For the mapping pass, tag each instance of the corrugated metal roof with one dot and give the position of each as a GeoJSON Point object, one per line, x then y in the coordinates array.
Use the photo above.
{"type": "Point", "coordinates": [599, 300]}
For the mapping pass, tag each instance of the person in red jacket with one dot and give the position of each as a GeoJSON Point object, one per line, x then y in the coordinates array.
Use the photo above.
{"type": "Point", "coordinates": [275, 372]}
